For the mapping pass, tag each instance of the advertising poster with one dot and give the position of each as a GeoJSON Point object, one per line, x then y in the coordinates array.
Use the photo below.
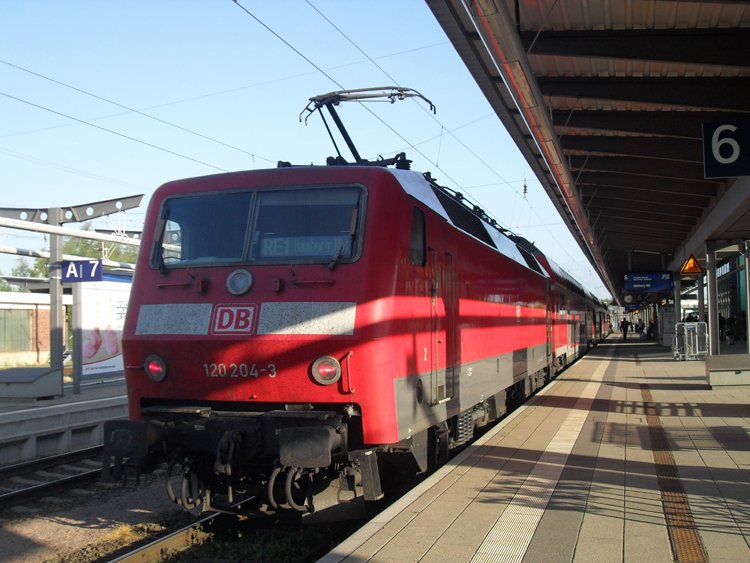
{"type": "Point", "coordinates": [102, 308]}
{"type": "Point", "coordinates": [667, 321]}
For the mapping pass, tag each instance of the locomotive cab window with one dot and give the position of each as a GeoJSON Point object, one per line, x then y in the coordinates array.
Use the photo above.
{"type": "Point", "coordinates": [316, 225]}
{"type": "Point", "coordinates": [203, 229]}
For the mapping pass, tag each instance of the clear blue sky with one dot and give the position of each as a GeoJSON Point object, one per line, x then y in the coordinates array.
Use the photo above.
{"type": "Point", "coordinates": [227, 91]}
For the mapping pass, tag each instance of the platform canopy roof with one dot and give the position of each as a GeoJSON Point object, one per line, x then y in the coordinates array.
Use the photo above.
{"type": "Point", "coordinates": [606, 99]}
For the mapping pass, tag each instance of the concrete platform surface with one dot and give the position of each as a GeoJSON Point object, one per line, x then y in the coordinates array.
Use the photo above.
{"type": "Point", "coordinates": [32, 428]}
{"type": "Point", "coordinates": [628, 456]}
{"type": "Point", "coordinates": [96, 388]}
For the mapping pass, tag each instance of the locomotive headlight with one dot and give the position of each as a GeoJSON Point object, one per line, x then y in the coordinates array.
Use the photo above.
{"type": "Point", "coordinates": [155, 368]}
{"type": "Point", "coordinates": [326, 370]}
{"type": "Point", "coordinates": [239, 282]}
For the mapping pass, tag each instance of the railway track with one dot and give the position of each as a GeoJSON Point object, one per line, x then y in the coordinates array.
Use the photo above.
{"type": "Point", "coordinates": [224, 537]}
{"type": "Point", "coordinates": [172, 543]}
{"type": "Point", "coordinates": [221, 536]}
{"type": "Point", "coordinates": [32, 480]}
{"type": "Point", "coordinates": [24, 487]}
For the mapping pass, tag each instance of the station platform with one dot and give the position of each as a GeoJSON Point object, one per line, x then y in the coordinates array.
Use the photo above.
{"type": "Point", "coordinates": [32, 428]}
{"type": "Point", "coordinates": [90, 389]}
{"type": "Point", "coordinates": [628, 455]}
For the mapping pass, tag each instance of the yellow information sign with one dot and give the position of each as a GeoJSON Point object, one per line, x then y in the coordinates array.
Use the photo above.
{"type": "Point", "coordinates": [692, 266]}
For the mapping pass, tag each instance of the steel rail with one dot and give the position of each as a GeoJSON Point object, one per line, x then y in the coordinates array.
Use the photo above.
{"type": "Point", "coordinates": [26, 467]}
{"type": "Point", "coordinates": [41, 490]}
{"type": "Point", "coordinates": [170, 544]}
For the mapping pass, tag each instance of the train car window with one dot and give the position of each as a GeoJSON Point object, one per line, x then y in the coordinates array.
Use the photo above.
{"type": "Point", "coordinates": [204, 229]}
{"type": "Point", "coordinates": [417, 240]}
{"type": "Point", "coordinates": [463, 218]}
{"type": "Point", "coordinates": [307, 226]}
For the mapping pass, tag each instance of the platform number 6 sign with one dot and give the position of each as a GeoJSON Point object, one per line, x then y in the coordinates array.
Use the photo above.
{"type": "Point", "coordinates": [726, 149]}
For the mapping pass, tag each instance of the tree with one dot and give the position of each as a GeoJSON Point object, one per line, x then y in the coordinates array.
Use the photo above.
{"type": "Point", "coordinates": [38, 269]}
{"type": "Point", "coordinates": [22, 269]}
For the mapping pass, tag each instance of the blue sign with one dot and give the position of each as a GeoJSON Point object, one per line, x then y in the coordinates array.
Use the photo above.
{"type": "Point", "coordinates": [726, 149]}
{"type": "Point", "coordinates": [655, 282]}
{"type": "Point", "coordinates": [74, 271]}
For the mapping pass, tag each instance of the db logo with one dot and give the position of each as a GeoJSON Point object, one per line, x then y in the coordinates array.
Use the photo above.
{"type": "Point", "coordinates": [233, 319]}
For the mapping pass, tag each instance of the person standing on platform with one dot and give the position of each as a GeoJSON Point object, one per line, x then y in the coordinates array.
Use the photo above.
{"type": "Point", "coordinates": [624, 326]}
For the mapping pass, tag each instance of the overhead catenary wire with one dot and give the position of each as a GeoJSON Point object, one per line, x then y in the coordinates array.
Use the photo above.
{"type": "Point", "coordinates": [413, 146]}
{"type": "Point", "coordinates": [227, 91]}
{"type": "Point", "coordinates": [133, 110]}
{"type": "Point", "coordinates": [443, 128]}
{"type": "Point", "coordinates": [333, 80]}
{"type": "Point", "coordinates": [234, 56]}
{"type": "Point", "coordinates": [68, 169]}
{"type": "Point", "coordinates": [532, 209]}
{"type": "Point", "coordinates": [111, 131]}
{"type": "Point", "coordinates": [75, 119]}
{"type": "Point", "coordinates": [142, 113]}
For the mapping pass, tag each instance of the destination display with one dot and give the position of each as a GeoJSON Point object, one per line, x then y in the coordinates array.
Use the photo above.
{"type": "Point", "coordinates": [306, 247]}
{"type": "Point", "coordinates": [647, 282]}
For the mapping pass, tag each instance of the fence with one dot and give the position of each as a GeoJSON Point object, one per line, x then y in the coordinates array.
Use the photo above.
{"type": "Point", "coordinates": [16, 330]}
{"type": "Point", "coordinates": [24, 328]}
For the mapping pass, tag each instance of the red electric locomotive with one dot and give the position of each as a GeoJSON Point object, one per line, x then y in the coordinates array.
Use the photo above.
{"type": "Point", "coordinates": [312, 328]}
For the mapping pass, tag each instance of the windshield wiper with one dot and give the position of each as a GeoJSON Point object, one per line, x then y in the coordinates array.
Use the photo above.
{"type": "Point", "coordinates": [337, 256]}
{"type": "Point", "coordinates": [160, 252]}
{"type": "Point", "coordinates": [348, 240]}
{"type": "Point", "coordinates": [160, 261]}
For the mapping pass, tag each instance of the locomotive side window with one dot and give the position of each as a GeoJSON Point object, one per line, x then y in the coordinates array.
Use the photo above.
{"type": "Point", "coordinates": [204, 229]}
{"type": "Point", "coordinates": [417, 244]}
{"type": "Point", "coordinates": [306, 226]}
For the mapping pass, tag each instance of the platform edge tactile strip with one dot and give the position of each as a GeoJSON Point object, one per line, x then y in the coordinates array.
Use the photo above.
{"type": "Point", "coordinates": [510, 537]}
